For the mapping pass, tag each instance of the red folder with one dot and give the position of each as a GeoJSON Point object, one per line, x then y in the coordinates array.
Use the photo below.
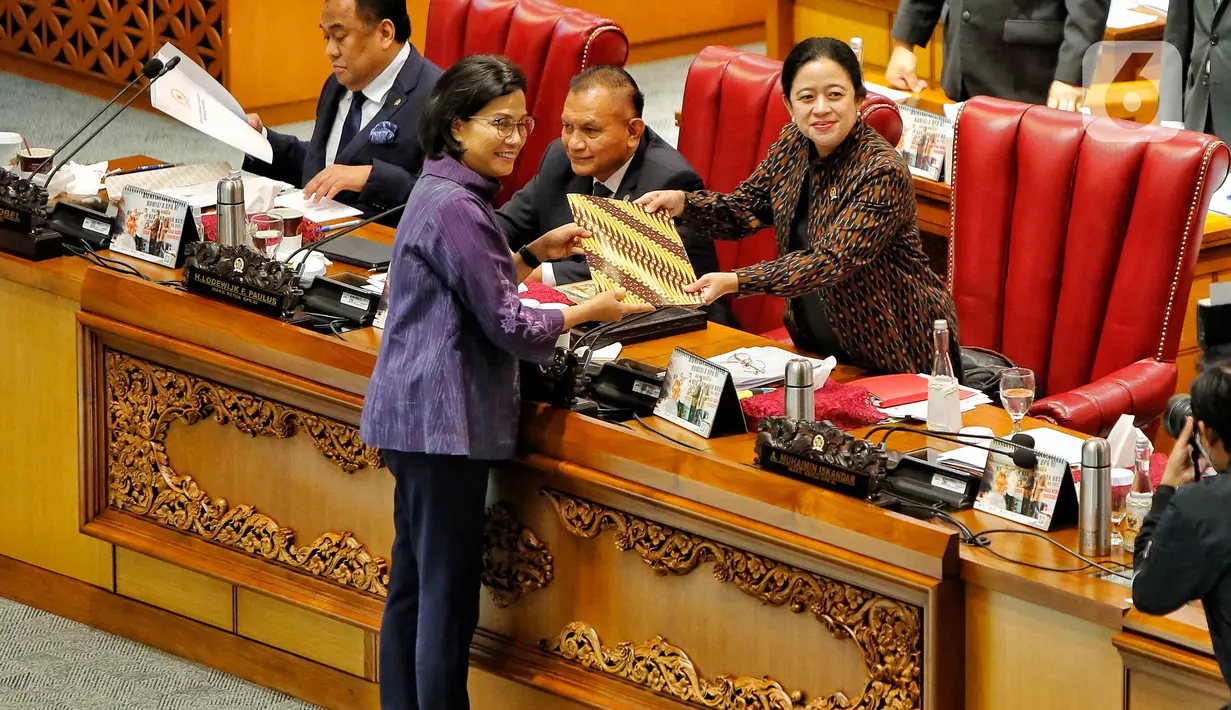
{"type": "Point", "coordinates": [896, 390]}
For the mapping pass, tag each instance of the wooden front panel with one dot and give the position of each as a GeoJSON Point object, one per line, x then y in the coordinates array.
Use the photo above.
{"type": "Point", "coordinates": [112, 39]}
{"type": "Point", "coordinates": [1160, 676]}
{"type": "Point", "coordinates": [303, 633]}
{"type": "Point", "coordinates": [175, 589]}
{"type": "Point", "coordinates": [38, 438]}
{"type": "Point", "coordinates": [1022, 656]}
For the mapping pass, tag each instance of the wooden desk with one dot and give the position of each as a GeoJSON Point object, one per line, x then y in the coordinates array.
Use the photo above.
{"type": "Point", "coordinates": [217, 503]}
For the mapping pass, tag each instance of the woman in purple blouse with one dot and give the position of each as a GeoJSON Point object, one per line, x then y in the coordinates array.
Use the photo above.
{"type": "Point", "coordinates": [443, 401]}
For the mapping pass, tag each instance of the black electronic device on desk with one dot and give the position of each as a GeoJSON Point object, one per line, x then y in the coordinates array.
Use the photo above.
{"type": "Point", "coordinates": [357, 251]}
{"type": "Point", "coordinates": [661, 323]}
{"type": "Point", "coordinates": [341, 297]}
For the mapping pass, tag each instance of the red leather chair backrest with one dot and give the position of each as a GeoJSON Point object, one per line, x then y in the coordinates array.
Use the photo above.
{"type": "Point", "coordinates": [551, 43]}
{"type": "Point", "coordinates": [1074, 239]}
{"type": "Point", "coordinates": [732, 113]}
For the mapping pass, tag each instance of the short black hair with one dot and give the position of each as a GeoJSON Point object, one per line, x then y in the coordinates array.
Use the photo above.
{"type": "Point", "coordinates": [374, 11]}
{"type": "Point", "coordinates": [1211, 400]}
{"type": "Point", "coordinates": [815, 48]}
{"type": "Point", "coordinates": [461, 92]}
{"type": "Point", "coordinates": [611, 77]}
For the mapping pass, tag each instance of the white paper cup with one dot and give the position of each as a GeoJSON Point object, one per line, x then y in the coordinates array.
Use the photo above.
{"type": "Point", "coordinates": [288, 246]}
{"type": "Point", "coordinates": [10, 143]}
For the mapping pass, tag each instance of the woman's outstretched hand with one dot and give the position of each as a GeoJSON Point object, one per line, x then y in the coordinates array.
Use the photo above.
{"type": "Point", "coordinates": [714, 286]}
{"type": "Point", "coordinates": [671, 200]}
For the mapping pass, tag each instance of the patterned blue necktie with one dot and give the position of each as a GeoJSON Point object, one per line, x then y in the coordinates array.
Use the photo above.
{"type": "Point", "coordinates": [354, 120]}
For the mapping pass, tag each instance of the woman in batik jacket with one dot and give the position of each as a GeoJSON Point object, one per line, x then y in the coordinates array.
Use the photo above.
{"type": "Point", "coordinates": [842, 203]}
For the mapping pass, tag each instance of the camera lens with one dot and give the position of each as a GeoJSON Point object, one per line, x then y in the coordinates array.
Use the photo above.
{"type": "Point", "coordinates": [1179, 409]}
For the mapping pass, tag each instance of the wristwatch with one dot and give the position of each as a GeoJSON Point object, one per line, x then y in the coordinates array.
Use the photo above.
{"type": "Point", "coordinates": [528, 256]}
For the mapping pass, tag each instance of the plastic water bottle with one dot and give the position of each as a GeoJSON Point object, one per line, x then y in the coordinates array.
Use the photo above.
{"type": "Point", "coordinates": [944, 400]}
{"type": "Point", "coordinates": [857, 46]}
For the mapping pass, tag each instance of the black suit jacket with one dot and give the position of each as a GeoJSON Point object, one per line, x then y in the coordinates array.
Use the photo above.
{"type": "Point", "coordinates": [542, 205]}
{"type": "Point", "coordinates": [395, 166]}
{"type": "Point", "coordinates": [1011, 50]}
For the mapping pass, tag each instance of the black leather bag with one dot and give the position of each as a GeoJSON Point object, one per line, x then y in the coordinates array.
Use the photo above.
{"type": "Point", "coordinates": [982, 369]}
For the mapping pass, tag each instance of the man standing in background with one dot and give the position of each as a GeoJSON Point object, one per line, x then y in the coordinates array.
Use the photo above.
{"type": "Point", "coordinates": [1023, 50]}
{"type": "Point", "coordinates": [1194, 28]}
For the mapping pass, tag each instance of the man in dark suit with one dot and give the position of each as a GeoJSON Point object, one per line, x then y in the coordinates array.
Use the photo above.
{"type": "Point", "coordinates": [605, 149]}
{"type": "Point", "coordinates": [1025, 50]}
{"type": "Point", "coordinates": [1193, 28]}
{"type": "Point", "coordinates": [365, 149]}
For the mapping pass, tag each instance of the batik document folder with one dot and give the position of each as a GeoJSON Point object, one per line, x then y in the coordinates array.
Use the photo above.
{"type": "Point", "coordinates": [632, 249]}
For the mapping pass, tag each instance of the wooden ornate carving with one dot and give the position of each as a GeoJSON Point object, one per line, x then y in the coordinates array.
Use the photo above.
{"type": "Point", "coordinates": [887, 632]}
{"type": "Point", "coordinates": [144, 399]}
{"type": "Point", "coordinates": [667, 669]}
{"type": "Point", "coordinates": [112, 39]}
{"type": "Point", "coordinates": [515, 560]}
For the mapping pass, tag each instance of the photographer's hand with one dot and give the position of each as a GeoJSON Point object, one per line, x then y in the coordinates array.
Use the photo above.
{"type": "Point", "coordinates": [1180, 462]}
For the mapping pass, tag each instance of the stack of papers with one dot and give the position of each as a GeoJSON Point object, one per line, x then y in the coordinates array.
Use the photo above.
{"type": "Point", "coordinates": [1048, 441]}
{"type": "Point", "coordinates": [326, 210]}
{"type": "Point", "coordinates": [764, 365]}
{"type": "Point", "coordinates": [919, 410]}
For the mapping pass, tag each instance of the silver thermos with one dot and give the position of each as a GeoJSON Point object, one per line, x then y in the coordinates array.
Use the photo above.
{"type": "Point", "coordinates": [232, 219]}
{"type": "Point", "coordinates": [1094, 523]}
{"type": "Point", "coordinates": [800, 394]}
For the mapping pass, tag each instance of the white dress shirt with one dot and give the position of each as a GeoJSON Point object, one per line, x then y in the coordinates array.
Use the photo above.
{"type": "Point", "coordinates": [612, 183]}
{"type": "Point", "coordinates": [374, 95]}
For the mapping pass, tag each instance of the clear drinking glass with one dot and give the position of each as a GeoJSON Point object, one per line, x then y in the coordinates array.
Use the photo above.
{"type": "Point", "coordinates": [1017, 394]}
{"type": "Point", "coordinates": [265, 230]}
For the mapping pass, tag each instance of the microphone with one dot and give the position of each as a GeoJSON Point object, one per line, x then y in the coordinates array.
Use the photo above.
{"type": "Point", "coordinates": [149, 71]}
{"type": "Point", "coordinates": [309, 248]}
{"type": "Point", "coordinates": [159, 72]}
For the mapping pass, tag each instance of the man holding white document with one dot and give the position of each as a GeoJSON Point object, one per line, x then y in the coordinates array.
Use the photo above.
{"type": "Point", "coordinates": [364, 150]}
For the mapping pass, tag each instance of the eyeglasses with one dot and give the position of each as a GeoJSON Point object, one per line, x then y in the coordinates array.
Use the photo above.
{"type": "Point", "coordinates": [744, 360]}
{"type": "Point", "coordinates": [505, 126]}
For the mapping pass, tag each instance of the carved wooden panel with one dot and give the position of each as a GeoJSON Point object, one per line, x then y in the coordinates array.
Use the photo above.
{"type": "Point", "coordinates": [887, 632]}
{"type": "Point", "coordinates": [112, 39]}
{"type": "Point", "coordinates": [144, 399]}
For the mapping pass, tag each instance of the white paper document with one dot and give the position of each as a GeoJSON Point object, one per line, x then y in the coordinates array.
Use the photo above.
{"type": "Point", "coordinates": [1121, 18]}
{"type": "Point", "coordinates": [190, 95]}
{"type": "Point", "coordinates": [1057, 443]}
{"type": "Point", "coordinates": [326, 210]}
{"type": "Point", "coordinates": [1159, 6]}
{"type": "Point", "coordinates": [891, 94]}
{"type": "Point", "coordinates": [763, 365]}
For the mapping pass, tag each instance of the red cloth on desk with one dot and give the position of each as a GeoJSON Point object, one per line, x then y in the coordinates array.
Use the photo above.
{"type": "Point", "coordinates": [544, 294]}
{"type": "Point", "coordinates": [845, 406]}
{"type": "Point", "coordinates": [311, 231]}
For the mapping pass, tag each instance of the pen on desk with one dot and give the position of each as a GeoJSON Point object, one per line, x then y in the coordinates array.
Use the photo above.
{"type": "Point", "coordinates": [379, 269]}
{"type": "Point", "coordinates": [331, 227]}
{"type": "Point", "coordinates": [142, 169]}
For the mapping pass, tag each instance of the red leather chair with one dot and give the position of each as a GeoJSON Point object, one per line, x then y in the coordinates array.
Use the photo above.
{"type": "Point", "coordinates": [732, 113]}
{"type": "Point", "coordinates": [551, 43]}
{"type": "Point", "coordinates": [1072, 252]}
